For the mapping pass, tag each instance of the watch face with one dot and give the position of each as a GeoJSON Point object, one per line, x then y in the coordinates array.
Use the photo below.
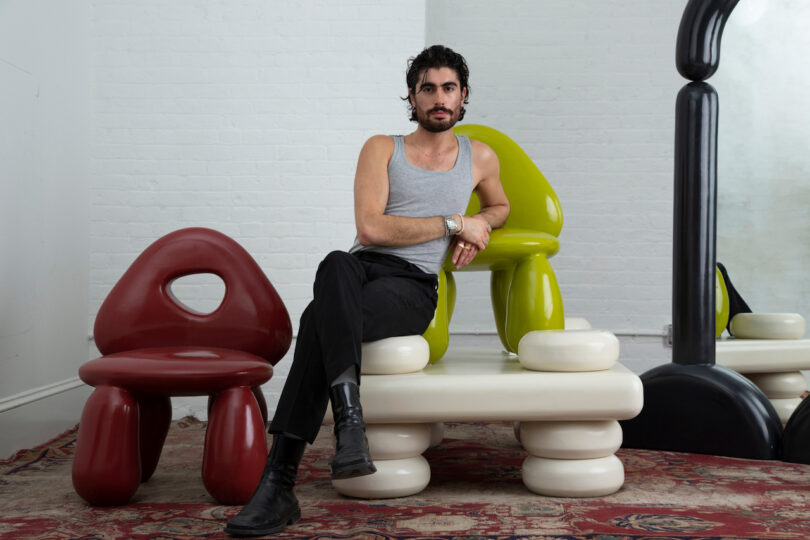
{"type": "Point", "coordinates": [452, 226]}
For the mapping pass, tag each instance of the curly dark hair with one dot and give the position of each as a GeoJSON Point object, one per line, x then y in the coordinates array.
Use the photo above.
{"type": "Point", "coordinates": [437, 56]}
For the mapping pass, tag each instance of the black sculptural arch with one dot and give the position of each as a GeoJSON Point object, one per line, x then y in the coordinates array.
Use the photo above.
{"type": "Point", "coordinates": [691, 404]}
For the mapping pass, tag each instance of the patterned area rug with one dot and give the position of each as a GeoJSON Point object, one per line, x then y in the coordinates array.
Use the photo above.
{"type": "Point", "coordinates": [475, 492]}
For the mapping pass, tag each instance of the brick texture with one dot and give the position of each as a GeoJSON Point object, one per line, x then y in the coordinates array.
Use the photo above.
{"type": "Point", "coordinates": [247, 117]}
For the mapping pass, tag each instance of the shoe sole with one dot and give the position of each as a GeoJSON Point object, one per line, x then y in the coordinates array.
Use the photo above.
{"type": "Point", "coordinates": [353, 470]}
{"type": "Point", "coordinates": [293, 518]}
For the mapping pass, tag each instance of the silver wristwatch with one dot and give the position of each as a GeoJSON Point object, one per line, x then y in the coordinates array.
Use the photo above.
{"type": "Point", "coordinates": [450, 226]}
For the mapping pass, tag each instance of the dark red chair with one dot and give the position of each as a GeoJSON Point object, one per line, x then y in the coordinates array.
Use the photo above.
{"type": "Point", "coordinates": [155, 347]}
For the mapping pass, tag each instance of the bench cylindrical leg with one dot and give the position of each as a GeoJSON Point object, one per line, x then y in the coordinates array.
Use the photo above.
{"type": "Point", "coordinates": [436, 434]}
{"type": "Point", "coordinates": [573, 477]}
{"type": "Point", "coordinates": [572, 459]}
{"type": "Point", "coordinates": [783, 389]}
{"type": "Point", "coordinates": [397, 453]}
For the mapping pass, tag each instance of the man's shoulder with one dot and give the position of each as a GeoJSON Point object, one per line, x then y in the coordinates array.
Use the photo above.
{"type": "Point", "coordinates": [379, 145]}
{"type": "Point", "coordinates": [482, 152]}
{"type": "Point", "coordinates": [380, 141]}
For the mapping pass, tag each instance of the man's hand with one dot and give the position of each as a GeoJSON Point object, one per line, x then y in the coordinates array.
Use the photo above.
{"type": "Point", "coordinates": [476, 231]}
{"type": "Point", "coordinates": [473, 239]}
{"type": "Point", "coordinates": [463, 252]}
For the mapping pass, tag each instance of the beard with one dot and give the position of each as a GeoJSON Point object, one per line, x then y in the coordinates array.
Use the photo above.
{"type": "Point", "coordinates": [433, 125]}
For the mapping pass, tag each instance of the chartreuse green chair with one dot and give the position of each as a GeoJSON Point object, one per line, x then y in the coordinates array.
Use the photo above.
{"type": "Point", "coordinates": [525, 294]}
{"type": "Point", "coordinates": [721, 304]}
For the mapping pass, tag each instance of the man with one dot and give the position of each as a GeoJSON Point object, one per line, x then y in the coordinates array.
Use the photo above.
{"type": "Point", "coordinates": [410, 195]}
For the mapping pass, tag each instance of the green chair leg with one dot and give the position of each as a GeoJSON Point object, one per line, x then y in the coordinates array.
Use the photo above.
{"type": "Point", "coordinates": [451, 295]}
{"type": "Point", "coordinates": [535, 302]}
{"type": "Point", "coordinates": [499, 283]}
{"type": "Point", "coordinates": [437, 333]}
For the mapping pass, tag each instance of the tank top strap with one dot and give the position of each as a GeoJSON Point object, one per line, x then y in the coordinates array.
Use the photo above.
{"type": "Point", "coordinates": [464, 158]}
{"type": "Point", "coordinates": [399, 147]}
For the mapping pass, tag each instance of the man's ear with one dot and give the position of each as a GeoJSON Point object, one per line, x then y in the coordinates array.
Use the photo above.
{"type": "Point", "coordinates": [411, 98]}
{"type": "Point", "coordinates": [464, 94]}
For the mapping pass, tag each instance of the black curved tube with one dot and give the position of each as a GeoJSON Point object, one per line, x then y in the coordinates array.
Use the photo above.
{"type": "Point", "coordinates": [694, 227]}
{"type": "Point", "coordinates": [692, 405]}
{"type": "Point", "coordinates": [796, 437]}
{"type": "Point", "coordinates": [697, 53]}
{"type": "Point", "coordinates": [707, 410]}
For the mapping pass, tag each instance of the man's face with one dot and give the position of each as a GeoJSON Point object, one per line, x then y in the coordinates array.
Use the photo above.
{"type": "Point", "coordinates": [438, 99]}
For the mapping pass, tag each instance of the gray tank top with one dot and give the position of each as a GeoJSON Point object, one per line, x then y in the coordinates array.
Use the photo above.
{"type": "Point", "coordinates": [415, 192]}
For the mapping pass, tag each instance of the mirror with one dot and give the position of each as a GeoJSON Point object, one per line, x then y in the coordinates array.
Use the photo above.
{"type": "Point", "coordinates": [763, 84]}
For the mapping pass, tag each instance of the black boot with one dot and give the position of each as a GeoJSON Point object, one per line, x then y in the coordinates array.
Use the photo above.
{"type": "Point", "coordinates": [273, 505]}
{"type": "Point", "coordinates": [351, 455]}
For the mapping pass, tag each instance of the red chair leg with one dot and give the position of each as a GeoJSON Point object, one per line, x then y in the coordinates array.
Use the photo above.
{"type": "Point", "coordinates": [259, 395]}
{"type": "Point", "coordinates": [211, 400]}
{"type": "Point", "coordinates": [107, 467]}
{"type": "Point", "coordinates": [235, 447]}
{"type": "Point", "coordinates": [156, 416]}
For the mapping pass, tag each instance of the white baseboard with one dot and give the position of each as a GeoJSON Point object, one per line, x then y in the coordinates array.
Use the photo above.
{"type": "Point", "coordinates": [36, 416]}
{"type": "Point", "coordinates": [36, 394]}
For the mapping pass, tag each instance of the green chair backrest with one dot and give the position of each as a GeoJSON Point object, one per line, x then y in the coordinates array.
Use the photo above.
{"type": "Point", "coordinates": [534, 205]}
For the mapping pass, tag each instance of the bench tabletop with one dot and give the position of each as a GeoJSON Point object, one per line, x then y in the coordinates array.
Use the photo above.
{"type": "Point", "coordinates": [763, 355]}
{"type": "Point", "coordinates": [485, 384]}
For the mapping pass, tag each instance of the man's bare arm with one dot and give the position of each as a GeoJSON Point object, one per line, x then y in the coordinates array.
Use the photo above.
{"type": "Point", "coordinates": [371, 197]}
{"type": "Point", "coordinates": [494, 206]}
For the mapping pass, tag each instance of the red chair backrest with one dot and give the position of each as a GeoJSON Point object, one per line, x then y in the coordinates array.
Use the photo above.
{"type": "Point", "coordinates": [141, 312]}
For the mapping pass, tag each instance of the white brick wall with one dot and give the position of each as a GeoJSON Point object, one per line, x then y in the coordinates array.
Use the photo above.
{"type": "Point", "coordinates": [244, 117]}
{"type": "Point", "coordinates": [248, 117]}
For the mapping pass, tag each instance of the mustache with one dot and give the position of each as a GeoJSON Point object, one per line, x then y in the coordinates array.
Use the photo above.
{"type": "Point", "coordinates": [440, 109]}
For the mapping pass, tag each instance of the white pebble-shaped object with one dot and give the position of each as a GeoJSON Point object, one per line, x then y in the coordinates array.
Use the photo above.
{"type": "Point", "coordinates": [568, 350]}
{"type": "Point", "coordinates": [394, 478]}
{"type": "Point", "coordinates": [571, 440]}
{"type": "Point", "coordinates": [389, 356]}
{"type": "Point", "coordinates": [573, 477]}
{"type": "Point", "coordinates": [397, 441]}
{"type": "Point", "coordinates": [768, 326]}
{"type": "Point", "coordinates": [436, 434]}
{"type": "Point", "coordinates": [577, 323]}
{"type": "Point", "coordinates": [785, 407]}
{"type": "Point", "coordinates": [779, 385]}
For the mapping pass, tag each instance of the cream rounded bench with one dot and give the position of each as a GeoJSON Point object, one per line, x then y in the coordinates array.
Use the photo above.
{"type": "Point", "coordinates": [565, 388]}
{"type": "Point", "coordinates": [768, 350]}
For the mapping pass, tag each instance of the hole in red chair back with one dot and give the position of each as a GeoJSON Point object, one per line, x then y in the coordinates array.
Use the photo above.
{"type": "Point", "coordinates": [200, 294]}
{"type": "Point", "coordinates": [140, 311]}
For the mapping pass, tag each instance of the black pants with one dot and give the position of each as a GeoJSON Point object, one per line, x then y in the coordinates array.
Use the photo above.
{"type": "Point", "coordinates": [357, 297]}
